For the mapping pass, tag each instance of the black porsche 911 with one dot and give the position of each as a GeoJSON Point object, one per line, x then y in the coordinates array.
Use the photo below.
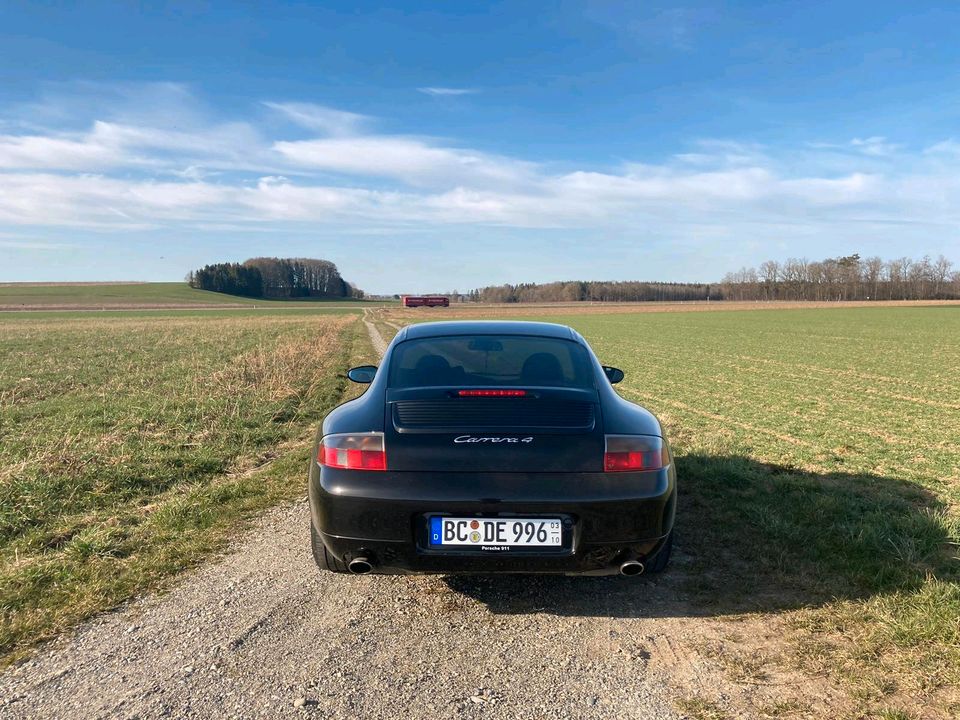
{"type": "Point", "coordinates": [489, 446]}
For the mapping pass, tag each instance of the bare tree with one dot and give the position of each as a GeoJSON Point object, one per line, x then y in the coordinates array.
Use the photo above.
{"type": "Point", "coordinates": [941, 274]}
{"type": "Point", "coordinates": [898, 271]}
{"type": "Point", "coordinates": [872, 275]}
{"type": "Point", "coordinates": [770, 275]}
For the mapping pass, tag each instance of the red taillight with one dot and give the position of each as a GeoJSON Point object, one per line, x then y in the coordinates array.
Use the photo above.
{"type": "Point", "coordinates": [635, 453]}
{"type": "Point", "coordinates": [358, 451]}
{"type": "Point", "coordinates": [492, 393]}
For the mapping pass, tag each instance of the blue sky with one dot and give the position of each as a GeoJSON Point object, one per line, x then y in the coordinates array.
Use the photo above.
{"type": "Point", "coordinates": [434, 146]}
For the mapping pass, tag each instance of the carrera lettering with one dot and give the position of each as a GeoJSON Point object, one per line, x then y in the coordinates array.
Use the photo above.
{"type": "Point", "coordinates": [491, 440]}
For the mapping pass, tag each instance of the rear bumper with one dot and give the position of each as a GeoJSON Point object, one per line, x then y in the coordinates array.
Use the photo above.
{"type": "Point", "coordinates": [608, 518]}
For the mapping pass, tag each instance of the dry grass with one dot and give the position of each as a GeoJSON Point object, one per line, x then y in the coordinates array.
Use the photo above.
{"type": "Point", "coordinates": [698, 708]}
{"type": "Point", "coordinates": [739, 665]}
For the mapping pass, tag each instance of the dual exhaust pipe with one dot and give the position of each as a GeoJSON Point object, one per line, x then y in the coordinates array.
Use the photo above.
{"type": "Point", "coordinates": [362, 566]}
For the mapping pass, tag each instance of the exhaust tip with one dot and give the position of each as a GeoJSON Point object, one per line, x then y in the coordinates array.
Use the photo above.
{"type": "Point", "coordinates": [631, 568]}
{"type": "Point", "coordinates": [360, 566]}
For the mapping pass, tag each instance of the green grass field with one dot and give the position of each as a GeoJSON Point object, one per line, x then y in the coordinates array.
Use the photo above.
{"type": "Point", "coordinates": [818, 453]}
{"type": "Point", "coordinates": [134, 294]}
{"type": "Point", "coordinates": [819, 456]}
{"type": "Point", "coordinates": [130, 445]}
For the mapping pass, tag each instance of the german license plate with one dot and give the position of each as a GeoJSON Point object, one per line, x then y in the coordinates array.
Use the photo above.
{"type": "Point", "coordinates": [495, 533]}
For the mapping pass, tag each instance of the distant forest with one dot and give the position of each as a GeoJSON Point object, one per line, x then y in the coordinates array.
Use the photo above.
{"type": "Point", "coordinates": [843, 278]}
{"type": "Point", "coordinates": [592, 291]}
{"type": "Point", "coordinates": [275, 278]}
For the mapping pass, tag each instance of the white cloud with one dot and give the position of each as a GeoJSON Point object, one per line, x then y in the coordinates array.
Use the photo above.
{"type": "Point", "coordinates": [411, 160]}
{"type": "Point", "coordinates": [724, 153]}
{"type": "Point", "coordinates": [318, 117]}
{"type": "Point", "coordinates": [93, 200]}
{"type": "Point", "coordinates": [447, 91]}
{"type": "Point", "coordinates": [115, 145]}
{"type": "Point", "coordinates": [852, 189]}
{"type": "Point", "coordinates": [276, 198]}
{"type": "Point", "coordinates": [41, 152]}
{"type": "Point", "coordinates": [109, 170]}
{"type": "Point", "coordinates": [949, 147]}
{"type": "Point", "coordinates": [877, 146]}
{"type": "Point", "coordinates": [648, 182]}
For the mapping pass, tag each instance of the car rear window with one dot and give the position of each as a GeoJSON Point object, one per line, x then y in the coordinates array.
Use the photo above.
{"type": "Point", "coordinates": [501, 360]}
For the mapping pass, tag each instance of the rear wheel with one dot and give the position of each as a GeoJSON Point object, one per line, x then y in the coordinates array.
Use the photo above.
{"type": "Point", "coordinates": [662, 558]}
{"type": "Point", "coordinates": [322, 556]}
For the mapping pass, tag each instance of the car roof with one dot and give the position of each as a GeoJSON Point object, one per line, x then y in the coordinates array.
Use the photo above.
{"type": "Point", "coordinates": [486, 327]}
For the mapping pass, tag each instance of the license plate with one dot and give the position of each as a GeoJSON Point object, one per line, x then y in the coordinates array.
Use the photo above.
{"type": "Point", "coordinates": [495, 533]}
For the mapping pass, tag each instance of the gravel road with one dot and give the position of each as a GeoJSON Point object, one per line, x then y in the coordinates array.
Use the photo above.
{"type": "Point", "coordinates": [376, 339]}
{"type": "Point", "coordinates": [261, 633]}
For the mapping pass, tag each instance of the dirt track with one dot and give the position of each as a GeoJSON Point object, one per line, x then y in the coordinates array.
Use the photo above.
{"type": "Point", "coordinates": [261, 629]}
{"type": "Point", "coordinates": [261, 633]}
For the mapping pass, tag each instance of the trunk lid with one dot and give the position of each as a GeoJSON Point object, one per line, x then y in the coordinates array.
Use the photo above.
{"type": "Point", "coordinates": [548, 430]}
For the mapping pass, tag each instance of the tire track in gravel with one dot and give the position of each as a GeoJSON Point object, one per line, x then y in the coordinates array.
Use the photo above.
{"type": "Point", "coordinates": [376, 339]}
{"type": "Point", "coordinates": [261, 633]}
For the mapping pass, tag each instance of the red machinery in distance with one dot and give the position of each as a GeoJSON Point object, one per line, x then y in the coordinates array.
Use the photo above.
{"type": "Point", "coordinates": [425, 301]}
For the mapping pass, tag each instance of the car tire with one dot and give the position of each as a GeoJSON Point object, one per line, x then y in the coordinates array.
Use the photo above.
{"type": "Point", "coordinates": [322, 556]}
{"type": "Point", "coordinates": [662, 558]}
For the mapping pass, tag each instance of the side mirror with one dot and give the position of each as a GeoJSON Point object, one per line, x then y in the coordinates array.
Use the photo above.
{"type": "Point", "coordinates": [614, 375]}
{"type": "Point", "coordinates": [363, 374]}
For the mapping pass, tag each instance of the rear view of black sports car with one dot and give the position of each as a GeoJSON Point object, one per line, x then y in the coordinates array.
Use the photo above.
{"type": "Point", "coordinates": [491, 447]}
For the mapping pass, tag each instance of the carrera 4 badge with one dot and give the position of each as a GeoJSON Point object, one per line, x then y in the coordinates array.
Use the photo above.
{"type": "Point", "coordinates": [491, 440]}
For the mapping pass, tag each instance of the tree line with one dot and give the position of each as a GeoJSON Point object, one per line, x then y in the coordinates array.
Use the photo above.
{"type": "Point", "coordinates": [845, 278]}
{"type": "Point", "coordinates": [592, 291]}
{"type": "Point", "coordinates": [842, 278]}
{"type": "Point", "coordinates": [275, 278]}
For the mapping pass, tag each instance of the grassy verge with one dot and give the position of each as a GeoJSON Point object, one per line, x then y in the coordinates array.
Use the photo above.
{"type": "Point", "coordinates": [131, 448]}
